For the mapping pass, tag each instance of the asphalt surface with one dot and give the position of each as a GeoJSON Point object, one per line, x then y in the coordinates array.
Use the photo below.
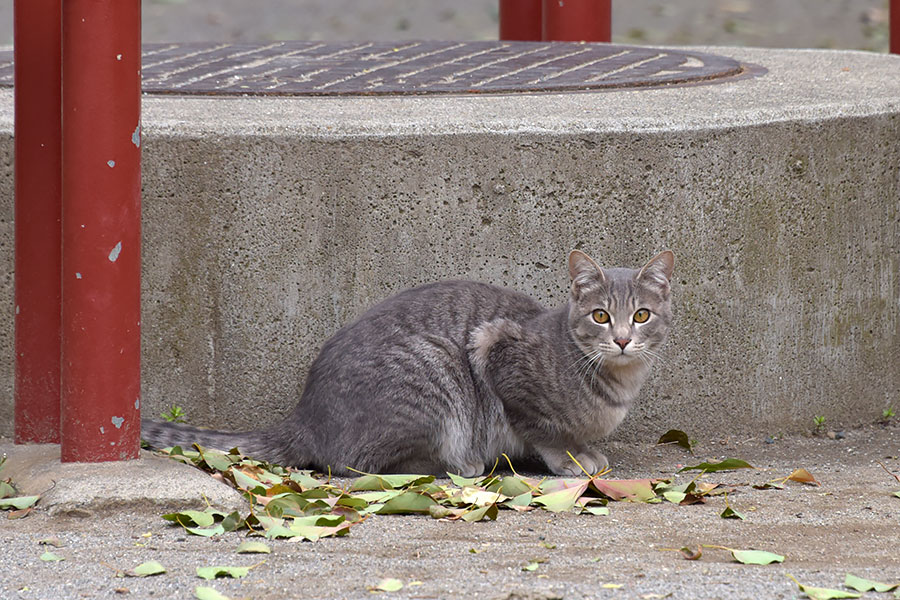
{"type": "Point", "coordinates": [849, 524]}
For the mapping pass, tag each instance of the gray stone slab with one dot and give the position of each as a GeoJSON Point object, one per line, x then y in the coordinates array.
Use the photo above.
{"type": "Point", "coordinates": [98, 489]}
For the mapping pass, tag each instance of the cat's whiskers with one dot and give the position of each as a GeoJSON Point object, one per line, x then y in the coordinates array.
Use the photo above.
{"type": "Point", "coordinates": [584, 360]}
{"type": "Point", "coordinates": [657, 357]}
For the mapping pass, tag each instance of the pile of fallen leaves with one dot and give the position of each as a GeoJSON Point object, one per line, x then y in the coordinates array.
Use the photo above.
{"type": "Point", "coordinates": [288, 503]}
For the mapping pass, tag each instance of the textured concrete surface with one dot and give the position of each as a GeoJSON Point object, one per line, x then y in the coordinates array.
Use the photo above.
{"type": "Point", "coordinates": [90, 490]}
{"type": "Point", "coordinates": [269, 223]}
{"type": "Point", "coordinates": [848, 525]}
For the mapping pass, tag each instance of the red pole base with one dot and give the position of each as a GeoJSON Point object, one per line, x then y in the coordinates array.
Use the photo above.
{"type": "Point", "coordinates": [101, 230]}
{"type": "Point", "coordinates": [37, 220]}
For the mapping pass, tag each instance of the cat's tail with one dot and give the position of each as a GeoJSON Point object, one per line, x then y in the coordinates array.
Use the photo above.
{"type": "Point", "coordinates": [259, 445]}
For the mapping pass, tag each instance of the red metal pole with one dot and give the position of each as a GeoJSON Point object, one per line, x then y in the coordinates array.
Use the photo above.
{"type": "Point", "coordinates": [520, 20]}
{"type": "Point", "coordinates": [101, 232]}
{"type": "Point", "coordinates": [895, 26]}
{"type": "Point", "coordinates": [37, 220]}
{"type": "Point", "coordinates": [577, 20]}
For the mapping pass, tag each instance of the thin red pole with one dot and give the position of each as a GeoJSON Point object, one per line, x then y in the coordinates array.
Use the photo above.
{"type": "Point", "coordinates": [577, 20]}
{"type": "Point", "coordinates": [101, 230]}
{"type": "Point", "coordinates": [37, 220]}
{"type": "Point", "coordinates": [520, 20]}
{"type": "Point", "coordinates": [895, 26]}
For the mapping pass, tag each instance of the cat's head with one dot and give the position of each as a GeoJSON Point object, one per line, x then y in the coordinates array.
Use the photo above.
{"type": "Point", "coordinates": [618, 316]}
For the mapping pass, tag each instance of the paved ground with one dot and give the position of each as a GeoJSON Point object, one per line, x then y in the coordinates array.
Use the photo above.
{"type": "Point", "coordinates": [849, 524]}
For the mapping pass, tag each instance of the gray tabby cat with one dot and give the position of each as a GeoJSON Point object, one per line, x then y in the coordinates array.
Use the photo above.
{"type": "Point", "coordinates": [447, 376]}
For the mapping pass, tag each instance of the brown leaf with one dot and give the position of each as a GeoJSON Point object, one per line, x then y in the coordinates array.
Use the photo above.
{"type": "Point", "coordinates": [689, 554]}
{"type": "Point", "coordinates": [692, 499]}
{"type": "Point", "coordinates": [803, 476]}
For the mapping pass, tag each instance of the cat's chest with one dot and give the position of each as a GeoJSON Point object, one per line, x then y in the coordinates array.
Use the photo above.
{"type": "Point", "coordinates": [618, 385]}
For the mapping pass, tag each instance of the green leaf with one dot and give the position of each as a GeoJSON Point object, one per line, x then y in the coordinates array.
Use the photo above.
{"type": "Point", "coordinates": [406, 503]}
{"type": "Point", "coordinates": [728, 464]}
{"type": "Point", "coordinates": [250, 547]}
{"type": "Point", "coordinates": [562, 500]}
{"type": "Point", "coordinates": [595, 510]}
{"type": "Point", "coordinates": [305, 480]}
{"type": "Point", "coordinates": [677, 437]}
{"type": "Point", "coordinates": [897, 493]}
{"type": "Point", "coordinates": [674, 497]}
{"type": "Point", "coordinates": [50, 557]}
{"type": "Point", "coordinates": [146, 569]}
{"type": "Point", "coordinates": [371, 483]}
{"type": "Point", "coordinates": [477, 497]}
{"type": "Point", "coordinates": [18, 502]}
{"type": "Point", "coordinates": [215, 459]}
{"type": "Point", "coordinates": [817, 593]}
{"type": "Point", "coordinates": [532, 566]}
{"type": "Point", "coordinates": [233, 522]}
{"type": "Point", "coordinates": [730, 513]}
{"type": "Point", "coordinates": [220, 571]}
{"type": "Point", "coordinates": [280, 531]}
{"type": "Point", "coordinates": [191, 518]}
{"type": "Point", "coordinates": [628, 490]}
{"type": "Point", "coordinates": [388, 585]}
{"type": "Point", "coordinates": [462, 481]}
{"type": "Point", "coordinates": [208, 593]}
{"type": "Point", "coordinates": [511, 486]}
{"type": "Point", "coordinates": [375, 497]}
{"type": "Point", "coordinates": [353, 502]}
{"type": "Point", "coordinates": [217, 529]}
{"type": "Point", "coordinates": [6, 489]}
{"type": "Point", "coordinates": [756, 557]}
{"type": "Point", "coordinates": [521, 501]}
{"type": "Point", "coordinates": [436, 511]}
{"type": "Point", "coordinates": [485, 512]}
{"type": "Point", "coordinates": [324, 527]}
{"type": "Point", "coordinates": [245, 482]}
{"type": "Point", "coordinates": [865, 585]}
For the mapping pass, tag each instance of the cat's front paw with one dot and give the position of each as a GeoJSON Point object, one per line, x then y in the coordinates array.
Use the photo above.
{"type": "Point", "coordinates": [470, 469]}
{"type": "Point", "coordinates": [592, 461]}
{"type": "Point", "coordinates": [560, 463]}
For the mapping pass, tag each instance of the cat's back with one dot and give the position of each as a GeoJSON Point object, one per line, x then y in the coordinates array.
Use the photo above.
{"type": "Point", "coordinates": [447, 309]}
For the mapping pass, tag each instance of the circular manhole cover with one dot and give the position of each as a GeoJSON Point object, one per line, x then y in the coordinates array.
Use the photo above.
{"type": "Point", "coordinates": [366, 68]}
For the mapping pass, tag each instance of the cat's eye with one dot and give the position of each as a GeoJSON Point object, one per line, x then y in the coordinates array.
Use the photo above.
{"type": "Point", "coordinates": [600, 316]}
{"type": "Point", "coordinates": [641, 315]}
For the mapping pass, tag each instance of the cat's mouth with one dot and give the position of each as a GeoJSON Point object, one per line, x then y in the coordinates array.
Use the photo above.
{"type": "Point", "coordinates": [620, 355]}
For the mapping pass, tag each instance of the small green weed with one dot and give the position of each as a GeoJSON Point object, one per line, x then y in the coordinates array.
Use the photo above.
{"type": "Point", "coordinates": [819, 421]}
{"type": "Point", "coordinates": [174, 415]}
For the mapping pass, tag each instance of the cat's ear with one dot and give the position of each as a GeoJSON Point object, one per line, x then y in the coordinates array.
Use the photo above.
{"type": "Point", "coordinates": [658, 271]}
{"type": "Point", "coordinates": [583, 271]}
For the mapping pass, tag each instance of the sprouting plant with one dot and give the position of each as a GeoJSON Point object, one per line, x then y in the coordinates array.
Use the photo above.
{"type": "Point", "coordinates": [887, 414]}
{"type": "Point", "coordinates": [174, 415]}
{"type": "Point", "coordinates": [819, 421]}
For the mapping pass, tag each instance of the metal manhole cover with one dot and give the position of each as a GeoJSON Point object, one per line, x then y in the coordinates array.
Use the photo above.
{"type": "Point", "coordinates": [367, 68]}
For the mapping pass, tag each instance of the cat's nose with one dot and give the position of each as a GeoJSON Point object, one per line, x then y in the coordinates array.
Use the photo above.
{"type": "Point", "coordinates": [622, 342]}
